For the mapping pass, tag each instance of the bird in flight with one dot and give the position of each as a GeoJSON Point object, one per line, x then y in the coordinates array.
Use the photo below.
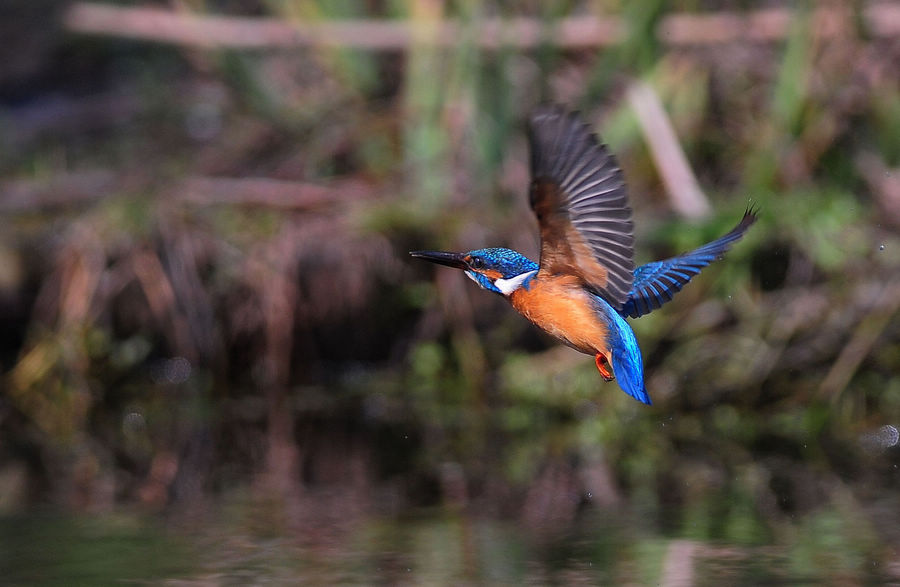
{"type": "Point", "coordinates": [586, 283]}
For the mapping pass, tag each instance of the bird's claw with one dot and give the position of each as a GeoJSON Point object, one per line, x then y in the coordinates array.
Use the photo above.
{"type": "Point", "coordinates": [603, 367]}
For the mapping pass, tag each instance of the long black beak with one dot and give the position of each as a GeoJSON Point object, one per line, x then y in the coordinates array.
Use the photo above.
{"type": "Point", "coordinates": [442, 258]}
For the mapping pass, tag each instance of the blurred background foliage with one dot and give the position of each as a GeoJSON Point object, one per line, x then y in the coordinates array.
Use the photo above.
{"type": "Point", "coordinates": [205, 292]}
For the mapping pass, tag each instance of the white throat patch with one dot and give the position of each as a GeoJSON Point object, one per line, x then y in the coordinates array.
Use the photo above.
{"type": "Point", "coordinates": [507, 286]}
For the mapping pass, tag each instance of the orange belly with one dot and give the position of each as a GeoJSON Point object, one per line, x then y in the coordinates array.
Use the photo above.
{"type": "Point", "coordinates": [560, 306]}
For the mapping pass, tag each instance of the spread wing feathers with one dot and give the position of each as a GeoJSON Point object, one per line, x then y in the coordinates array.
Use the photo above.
{"type": "Point", "coordinates": [578, 195]}
{"type": "Point", "coordinates": [656, 283]}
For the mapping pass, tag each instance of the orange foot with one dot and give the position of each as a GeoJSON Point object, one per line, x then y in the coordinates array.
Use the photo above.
{"type": "Point", "coordinates": [603, 367]}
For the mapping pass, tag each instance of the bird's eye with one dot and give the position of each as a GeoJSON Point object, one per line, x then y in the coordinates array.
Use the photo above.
{"type": "Point", "coordinates": [477, 263]}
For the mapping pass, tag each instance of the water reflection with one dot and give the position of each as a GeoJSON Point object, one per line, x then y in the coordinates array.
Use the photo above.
{"type": "Point", "coordinates": [319, 540]}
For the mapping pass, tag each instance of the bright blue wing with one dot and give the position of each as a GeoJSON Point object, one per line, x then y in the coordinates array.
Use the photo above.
{"type": "Point", "coordinates": [656, 283]}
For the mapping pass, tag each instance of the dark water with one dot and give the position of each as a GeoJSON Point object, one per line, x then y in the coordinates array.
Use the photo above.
{"type": "Point", "coordinates": [314, 540]}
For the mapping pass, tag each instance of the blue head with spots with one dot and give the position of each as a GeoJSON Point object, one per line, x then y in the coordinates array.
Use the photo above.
{"type": "Point", "coordinates": [498, 270]}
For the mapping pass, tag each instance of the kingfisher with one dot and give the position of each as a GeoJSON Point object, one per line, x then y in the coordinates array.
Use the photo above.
{"type": "Point", "coordinates": [586, 283]}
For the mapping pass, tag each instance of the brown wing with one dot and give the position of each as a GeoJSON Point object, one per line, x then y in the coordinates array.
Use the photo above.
{"type": "Point", "coordinates": [578, 195]}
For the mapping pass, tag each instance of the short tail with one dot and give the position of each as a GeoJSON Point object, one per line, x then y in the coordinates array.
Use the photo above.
{"type": "Point", "coordinates": [629, 370]}
{"type": "Point", "coordinates": [624, 354]}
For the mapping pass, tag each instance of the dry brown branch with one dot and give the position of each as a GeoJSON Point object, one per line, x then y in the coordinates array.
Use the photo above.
{"type": "Point", "coordinates": [678, 177]}
{"type": "Point", "coordinates": [161, 297]}
{"type": "Point", "coordinates": [272, 271]}
{"type": "Point", "coordinates": [165, 26]}
{"type": "Point", "coordinates": [152, 24]}
{"type": "Point", "coordinates": [702, 29]}
{"type": "Point", "coordinates": [772, 24]}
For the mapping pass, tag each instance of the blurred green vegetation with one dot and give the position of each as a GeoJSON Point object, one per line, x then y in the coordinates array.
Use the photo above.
{"type": "Point", "coordinates": [204, 288]}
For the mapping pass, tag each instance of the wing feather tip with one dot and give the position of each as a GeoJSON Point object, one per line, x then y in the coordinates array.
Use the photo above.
{"type": "Point", "coordinates": [575, 177]}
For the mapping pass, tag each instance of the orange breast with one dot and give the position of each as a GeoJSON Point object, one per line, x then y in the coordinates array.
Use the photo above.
{"type": "Point", "coordinates": [560, 306]}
